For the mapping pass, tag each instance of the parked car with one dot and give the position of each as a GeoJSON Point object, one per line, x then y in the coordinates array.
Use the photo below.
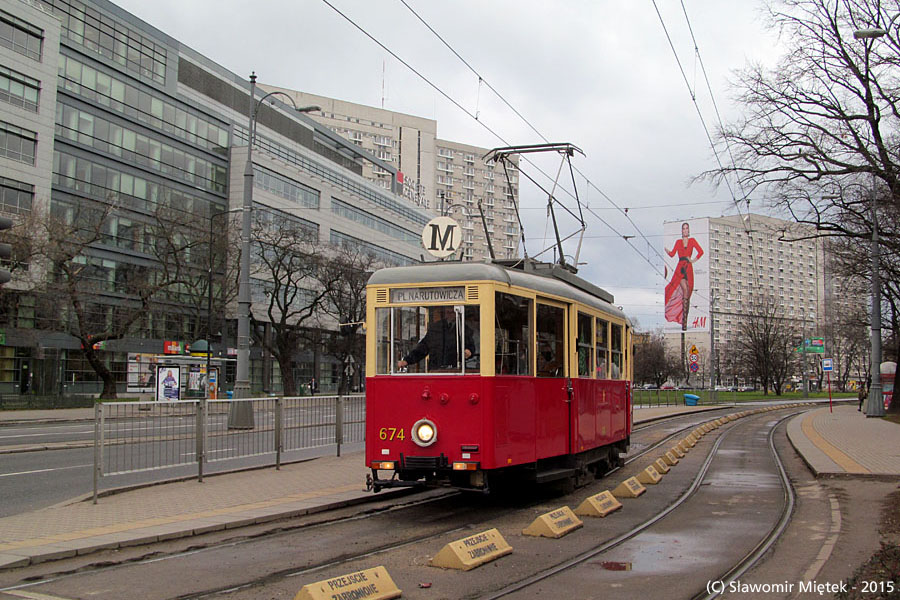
{"type": "Point", "coordinates": [667, 387]}
{"type": "Point", "coordinates": [648, 386]}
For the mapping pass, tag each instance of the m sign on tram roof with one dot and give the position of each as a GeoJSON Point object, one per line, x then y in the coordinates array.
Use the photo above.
{"type": "Point", "coordinates": [441, 237]}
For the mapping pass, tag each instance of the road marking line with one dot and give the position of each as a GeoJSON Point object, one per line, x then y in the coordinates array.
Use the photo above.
{"type": "Point", "coordinates": [48, 433]}
{"type": "Point", "coordinates": [34, 595]}
{"type": "Point", "coordinates": [830, 543]}
{"type": "Point", "coordinates": [44, 470]}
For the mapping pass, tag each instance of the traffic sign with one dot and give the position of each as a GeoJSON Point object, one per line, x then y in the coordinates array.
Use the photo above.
{"type": "Point", "coordinates": [827, 364]}
{"type": "Point", "coordinates": [694, 367]}
{"type": "Point", "coordinates": [694, 349]}
{"type": "Point", "coordinates": [695, 358]}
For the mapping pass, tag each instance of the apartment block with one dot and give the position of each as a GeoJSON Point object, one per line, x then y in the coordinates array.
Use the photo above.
{"type": "Point", "coordinates": [751, 257]}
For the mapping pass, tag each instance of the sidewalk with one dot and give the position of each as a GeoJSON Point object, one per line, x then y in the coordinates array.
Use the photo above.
{"type": "Point", "coordinates": [846, 443]}
{"type": "Point", "coordinates": [181, 509]}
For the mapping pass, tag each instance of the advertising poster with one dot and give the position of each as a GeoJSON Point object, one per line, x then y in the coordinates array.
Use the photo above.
{"type": "Point", "coordinates": [141, 372]}
{"type": "Point", "coordinates": [687, 275]}
{"type": "Point", "coordinates": [168, 383]}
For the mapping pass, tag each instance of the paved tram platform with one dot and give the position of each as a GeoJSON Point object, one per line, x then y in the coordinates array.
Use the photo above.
{"type": "Point", "coordinates": [837, 443]}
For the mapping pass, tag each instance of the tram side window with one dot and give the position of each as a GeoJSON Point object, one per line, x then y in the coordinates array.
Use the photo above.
{"type": "Point", "coordinates": [550, 341]}
{"type": "Point", "coordinates": [513, 334]}
{"type": "Point", "coordinates": [436, 339]}
{"type": "Point", "coordinates": [602, 349]}
{"type": "Point", "coordinates": [585, 332]}
{"type": "Point", "coordinates": [617, 365]}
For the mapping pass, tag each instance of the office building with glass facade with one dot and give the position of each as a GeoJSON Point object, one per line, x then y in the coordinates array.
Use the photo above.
{"type": "Point", "coordinates": [102, 111]}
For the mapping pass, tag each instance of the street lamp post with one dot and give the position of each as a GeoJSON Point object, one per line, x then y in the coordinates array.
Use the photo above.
{"type": "Point", "coordinates": [242, 375]}
{"type": "Point", "coordinates": [875, 405]}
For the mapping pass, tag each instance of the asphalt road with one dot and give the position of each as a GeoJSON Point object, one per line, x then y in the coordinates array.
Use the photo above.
{"type": "Point", "coordinates": [46, 433]}
{"type": "Point", "coordinates": [34, 480]}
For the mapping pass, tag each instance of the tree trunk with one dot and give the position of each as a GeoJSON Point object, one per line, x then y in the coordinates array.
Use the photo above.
{"type": "Point", "coordinates": [286, 365]}
{"type": "Point", "coordinates": [109, 381]}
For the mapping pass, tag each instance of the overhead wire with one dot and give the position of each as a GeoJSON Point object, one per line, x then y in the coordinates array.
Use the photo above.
{"type": "Point", "coordinates": [745, 222]}
{"type": "Point", "coordinates": [590, 184]}
{"type": "Point", "coordinates": [481, 79]}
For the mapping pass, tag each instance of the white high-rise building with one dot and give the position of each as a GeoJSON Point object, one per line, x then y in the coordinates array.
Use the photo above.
{"type": "Point", "coordinates": [748, 257]}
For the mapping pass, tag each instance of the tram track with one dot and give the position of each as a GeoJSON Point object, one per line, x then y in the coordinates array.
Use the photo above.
{"type": "Point", "coordinates": [754, 556]}
{"type": "Point", "coordinates": [732, 574]}
{"type": "Point", "coordinates": [452, 521]}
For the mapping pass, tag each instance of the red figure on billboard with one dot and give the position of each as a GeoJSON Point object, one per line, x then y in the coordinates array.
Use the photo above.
{"type": "Point", "coordinates": [680, 288]}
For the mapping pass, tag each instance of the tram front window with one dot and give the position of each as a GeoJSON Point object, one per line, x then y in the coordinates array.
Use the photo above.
{"type": "Point", "coordinates": [427, 339]}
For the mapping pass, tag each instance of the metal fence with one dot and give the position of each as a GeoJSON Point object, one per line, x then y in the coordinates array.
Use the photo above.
{"type": "Point", "coordinates": [651, 398]}
{"type": "Point", "coordinates": [139, 436]}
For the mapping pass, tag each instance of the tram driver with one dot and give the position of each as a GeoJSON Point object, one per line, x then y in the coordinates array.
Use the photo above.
{"type": "Point", "coordinates": [441, 342]}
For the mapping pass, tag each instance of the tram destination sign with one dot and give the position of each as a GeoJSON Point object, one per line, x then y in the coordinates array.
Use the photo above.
{"type": "Point", "coordinates": [429, 294]}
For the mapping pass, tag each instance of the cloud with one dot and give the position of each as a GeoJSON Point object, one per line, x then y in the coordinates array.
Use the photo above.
{"type": "Point", "coordinates": [598, 74]}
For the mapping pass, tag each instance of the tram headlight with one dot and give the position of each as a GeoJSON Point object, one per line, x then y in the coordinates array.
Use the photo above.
{"type": "Point", "coordinates": [424, 433]}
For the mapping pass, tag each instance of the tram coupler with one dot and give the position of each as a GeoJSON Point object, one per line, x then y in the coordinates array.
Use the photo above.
{"type": "Point", "coordinates": [376, 485]}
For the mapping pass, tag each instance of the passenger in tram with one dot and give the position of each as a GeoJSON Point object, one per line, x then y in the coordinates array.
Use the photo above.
{"type": "Point", "coordinates": [614, 372]}
{"type": "Point", "coordinates": [440, 343]}
{"type": "Point", "coordinates": [549, 364]}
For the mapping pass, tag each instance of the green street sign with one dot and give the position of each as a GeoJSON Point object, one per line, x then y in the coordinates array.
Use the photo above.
{"type": "Point", "coordinates": [812, 346]}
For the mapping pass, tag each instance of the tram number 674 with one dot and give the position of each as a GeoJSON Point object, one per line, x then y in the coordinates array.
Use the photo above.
{"type": "Point", "coordinates": [391, 433]}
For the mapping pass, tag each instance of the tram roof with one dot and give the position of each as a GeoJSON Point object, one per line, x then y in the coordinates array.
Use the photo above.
{"type": "Point", "coordinates": [540, 277]}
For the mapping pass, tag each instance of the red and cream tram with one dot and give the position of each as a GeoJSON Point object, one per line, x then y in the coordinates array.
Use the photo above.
{"type": "Point", "coordinates": [480, 373]}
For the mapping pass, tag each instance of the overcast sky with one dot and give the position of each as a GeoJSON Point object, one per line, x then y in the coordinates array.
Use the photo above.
{"type": "Point", "coordinates": [599, 74]}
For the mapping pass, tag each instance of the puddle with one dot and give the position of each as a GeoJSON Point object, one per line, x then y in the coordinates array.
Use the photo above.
{"type": "Point", "coordinates": [743, 479]}
{"type": "Point", "coordinates": [612, 565]}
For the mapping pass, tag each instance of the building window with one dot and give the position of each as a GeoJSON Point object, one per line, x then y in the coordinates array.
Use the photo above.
{"type": "Point", "coordinates": [124, 98]}
{"type": "Point", "coordinates": [17, 143]}
{"type": "Point", "coordinates": [288, 189]}
{"type": "Point", "coordinates": [373, 222]}
{"type": "Point", "coordinates": [97, 33]}
{"type": "Point", "coordinates": [384, 255]}
{"type": "Point", "coordinates": [19, 90]}
{"type": "Point", "coordinates": [15, 197]}
{"type": "Point", "coordinates": [20, 36]}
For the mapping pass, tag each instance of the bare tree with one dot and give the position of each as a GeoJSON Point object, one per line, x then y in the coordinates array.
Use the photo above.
{"type": "Point", "coordinates": [96, 302]}
{"type": "Point", "coordinates": [192, 260]}
{"type": "Point", "coordinates": [820, 132]}
{"type": "Point", "coordinates": [826, 118]}
{"type": "Point", "coordinates": [344, 275]}
{"type": "Point", "coordinates": [653, 362]}
{"type": "Point", "coordinates": [766, 343]}
{"type": "Point", "coordinates": [288, 268]}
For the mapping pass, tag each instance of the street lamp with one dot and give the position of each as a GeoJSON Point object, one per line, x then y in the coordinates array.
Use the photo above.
{"type": "Point", "coordinates": [875, 405]}
{"type": "Point", "coordinates": [242, 375]}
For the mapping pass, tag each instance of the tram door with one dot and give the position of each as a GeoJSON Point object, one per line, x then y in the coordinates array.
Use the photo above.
{"type": "Point", "coordinates": [552, 401]}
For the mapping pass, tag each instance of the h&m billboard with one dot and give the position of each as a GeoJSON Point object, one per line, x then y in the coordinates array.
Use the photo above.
{"type": "Point", "coordinates": [687, 275]}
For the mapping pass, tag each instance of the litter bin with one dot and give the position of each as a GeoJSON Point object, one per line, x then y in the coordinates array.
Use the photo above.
{"type": "Point", "coordinates": [691, 399]}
